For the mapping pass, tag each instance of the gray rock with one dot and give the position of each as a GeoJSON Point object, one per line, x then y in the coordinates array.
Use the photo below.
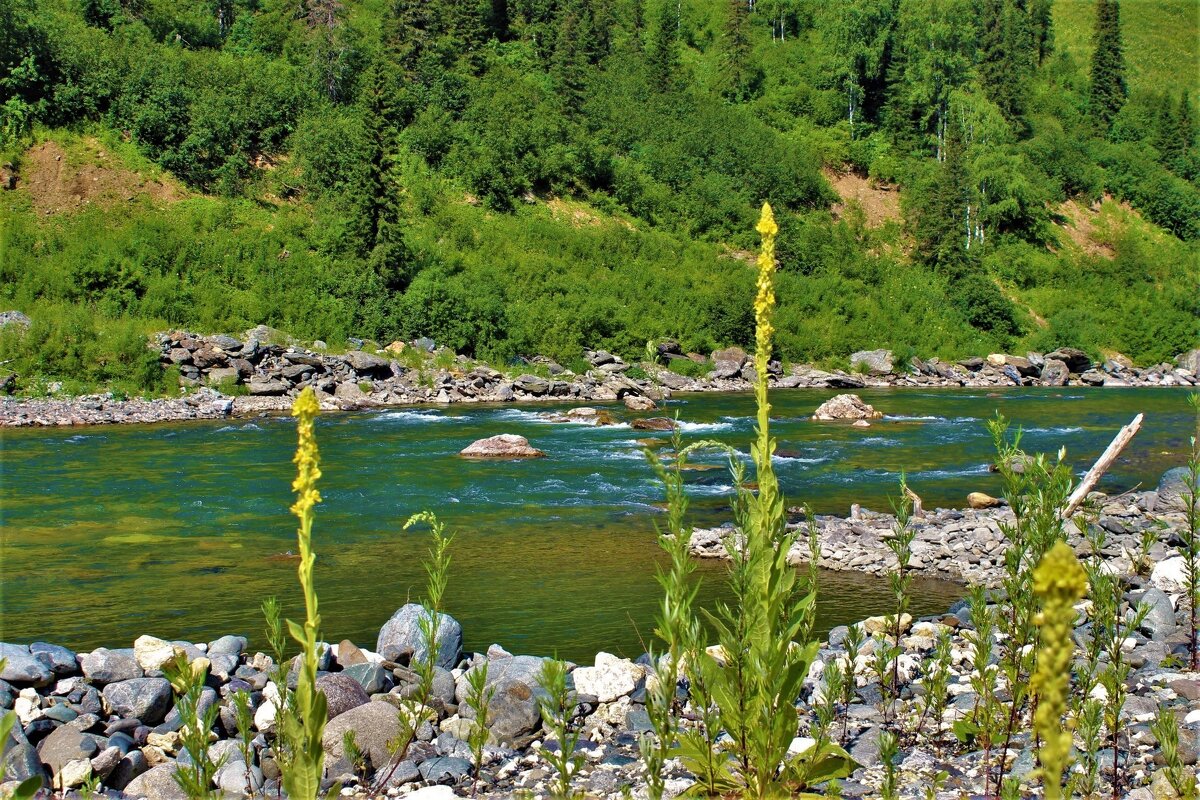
{"type": "Point", "coordinates": [231, 777]}
{"type": "Point", "coordinates": [266, 388]}
{"type": "Point", "coordinates": [156, 784]}
{"type": "Point", "coordinates": [865, 749]}
{"type": "Point", "coordinates": [514, 715]}
{"type": "Point", "coordinates": [148, 699]}
{"type": "Point", "coordinates": [403, 633]}
{"type": "Point", "coordinates": [1076, 360]}
{"type": "Point", "coordinates": [372, 677]}
{"type": "Point", "coordinates": [21, 762]}
{"type": "Point", "coordinates": [131, 765]}
{"type": "Point", "coordinates": [226, 343]}
{"type": "Point", "coordinates": [1189, 361]}
{"type": "Point", "coordinates": [1160, 618]}
{"type": "Point", "coordinates": [104, 763]}
{"type": "Point", "coordinates": [369, 364]}
{"type": "Point", "coordinates": [374, 725]}
{"type": "Point", "coordinates": [425, 343]}
{"type": "Point", "coordinates": [60, 660]}
{"type": "Point", "coordinates": [109, 666]}
{"type": "Point", "coordinates": [342, 693]}
{"type": "Point", "coordinates": [14, 318]}
{"type": "Point", "coordinates": [406, 772]}
{"type": "Point", "coordinates": [23, 667]}
{"type": "Point", "coordinates": [1055, 373]}
{"type": "Point", "coordinates": [66, 744]}
{"type": "Point", "coordinates": [532, 384]}
{"type": "Point", "coordinates": [1172, 490]}
{"type": "Point", "coordinates": [174, 721]}
{"type": "Point", "coordinates": [877, 362]}
{"type": "Point", "coordinates": [445, 770]}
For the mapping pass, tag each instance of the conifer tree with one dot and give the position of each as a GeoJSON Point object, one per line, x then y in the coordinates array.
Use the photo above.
{"type": "Point", "coordinates": [1008, 55]}
{"type": "Point", "coordinates": [1043, 28]}
{"type": "Point", "coordinates": [1108, 89]}
{"type": "Point", "coordinates": [662, 58]}
{"type": "Point", "coordinates": [735, 50]}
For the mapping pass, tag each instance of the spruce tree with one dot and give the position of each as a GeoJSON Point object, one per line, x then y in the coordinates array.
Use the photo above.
{"type": "Point", "coordinates": [662, 57]}
{"type": "Point", "coordinates": [1043, 29]}
{"type": "Point", "coordinates": [1008, 55]}
{"type": "Point", "coordinates": [735, 50]}
{"type": "Point", "coordinates": [1108, 65]}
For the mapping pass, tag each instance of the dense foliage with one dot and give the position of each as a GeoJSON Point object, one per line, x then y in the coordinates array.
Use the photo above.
{"type": "Point", "coordinates": [543, 175]}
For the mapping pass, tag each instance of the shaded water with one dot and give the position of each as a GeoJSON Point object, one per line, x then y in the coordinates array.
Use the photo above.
{"type": "Point", "coordinates": [179, 530]}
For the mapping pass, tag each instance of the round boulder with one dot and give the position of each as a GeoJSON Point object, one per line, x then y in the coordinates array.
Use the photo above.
{"type": "Point", "coordinates": [504, 445]}
{"type": "Point", "coordinates": [845, 406]}
{"type": "Point", "coordinates": [147, 699]}
{"type": "Point", "coordinates": [1173, 490]}
{"type": "Point", "coordinates": [402, 634]}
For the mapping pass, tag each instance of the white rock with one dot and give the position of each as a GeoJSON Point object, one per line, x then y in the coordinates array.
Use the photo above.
{"type": "Point", "coordinates": [609, 679]}
{"type": "Point", "coordinates": [1170, 575]}
{"type": "Point", "coordinates": [1192, 717]}
{"type": "Point", "coordinates": [28, 706]}
{"type": "Point", "coordinates": [151, 652]}
{"type": "Point", "coordinates": [73, 773]}
{"type": "Point", "coordinates": [433, 793]}
{"type": "Point", "coordinates": [800, 744]}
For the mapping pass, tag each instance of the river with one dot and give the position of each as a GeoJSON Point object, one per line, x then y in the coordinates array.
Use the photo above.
{"type": "Point", "coordinates": [180, 530]}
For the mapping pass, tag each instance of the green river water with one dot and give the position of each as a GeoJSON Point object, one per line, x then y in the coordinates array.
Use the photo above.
{"type": "Point", "coordinates": [180, 530]}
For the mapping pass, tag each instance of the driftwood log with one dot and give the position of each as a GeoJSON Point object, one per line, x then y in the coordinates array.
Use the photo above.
{"type": "Point", "coordinates": [1123, 437]}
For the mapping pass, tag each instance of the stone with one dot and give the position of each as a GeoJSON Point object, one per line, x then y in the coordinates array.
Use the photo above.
{"type": "Point", "coordinates": [342, 693]}
{"type": "Point", "coordinates": [73, 774]}
{"type": "Point", "coordinates": [132, 764]}
{"type": "Point", "coordinates": [636, 402]}
{"type": "Point", "coordinates": [504, 445]}
{"type": "Point", "coordinates": [374, 725]}
{"type": "Point", "coordinates": [103, 666]}
{"type": "Point", "coordinates": [1187, 689]}
{"type": "Point", "coordinates": [1170, 575]}
{"type": "Point", "coordinates": [1055, 373]}
{"type": "Point", "coordinates": [981, 500]}
{"type": "Point", "coordinates": [445, 770]}
{"type": "Point", "coordinates": [653, 424]}
{"type": "Point", "coordinates": [1159, 622]}
{"type": "Point", "coordinates": [21, 762]}
{"type": "Point", "coordinates": [845, 406]}
{"type": "Point", "coordinates": [402, 633]}
{"type": "Point", "coordinates": [877, 362]}
{"type": "Point", "coordinates": [885, 625]}
{"type": "Point", "coordinates": [15, 318]}
{"type": "Point", "coordinates": [1189, 361]}
{"type": "Point", "coordinates": [151, 652]}
{"type": "Point", "coordinates": [1172, 490]}
{"type": "Point", "coordinates": [157, 783]}
{"type": "Point", "coordinates": [23, 667]}
{"type": "Point", "coordinates": [1075, 359]}
{"type": "Point", "coordinates": [609, 679]}
{"type": "Point", "coordinates": [368, 364]}
{"type": "Point", "coordinates": [65, 744]}
{"type": "Point", "coordinates": [60, 660]}
{"type": "Point", "coordinates": [231, 778]}
{"type": "Point", "coordinates": [148, 699]}
{"type": "Point", "coordinates": [259, 387]}
{"type": "Point", "coordinates": [513, 715]}
{"type": "Point", "coordinates": [218, 375]}
{"type": "Point", "coordinates": [1093, 377]}
{"type": "Point", "coordinates": [432, 793]}
{"type": "Point", "coordinates": [372, 677]}
{"type": "Point", "coordinates": [532, 384]}
{"type": "Point", "coordinates": [349, 654]}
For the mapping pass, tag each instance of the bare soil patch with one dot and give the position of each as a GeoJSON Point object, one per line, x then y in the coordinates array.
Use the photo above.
{"type": "Point", "coordinates": [59, 182]}
{"type": "Point", "coordinates": [880, 203]}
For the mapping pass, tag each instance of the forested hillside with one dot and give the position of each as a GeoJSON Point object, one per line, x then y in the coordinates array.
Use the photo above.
{"type": "Point", "coordinates": [513, 177]}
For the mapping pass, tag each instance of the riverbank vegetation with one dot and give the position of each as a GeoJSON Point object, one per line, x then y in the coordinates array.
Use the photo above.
{"type": "Point", "coordinates": [543, 177]}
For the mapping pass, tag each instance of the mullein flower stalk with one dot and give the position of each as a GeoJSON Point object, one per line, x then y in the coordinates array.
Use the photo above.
{"type": "Point", "coordinates": [305, 725]}
{"type": "Point", "coordinates": [1059, 582]}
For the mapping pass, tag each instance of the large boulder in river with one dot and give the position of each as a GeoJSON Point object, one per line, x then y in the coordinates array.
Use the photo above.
{"type": "Point", "coordinates": [504, 445]}
{"type": "Point", "coordinates": [877, 362]}
{"type": "Point", "coordinates": [402, 635]}
{"type": "Point", "coordinates": [637, 402]}
{"type": "Point", "coordinates": [1172, 490]}
{"type": "Point", "coordinates": [846, 406]}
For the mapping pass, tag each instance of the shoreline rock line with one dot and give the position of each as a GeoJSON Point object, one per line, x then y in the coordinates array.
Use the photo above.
{"type": "Point", "coordinates": [262, 377]}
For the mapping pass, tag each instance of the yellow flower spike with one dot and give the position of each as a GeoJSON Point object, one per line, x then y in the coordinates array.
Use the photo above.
{"type": "Point", "coordinates": [1059, 582]}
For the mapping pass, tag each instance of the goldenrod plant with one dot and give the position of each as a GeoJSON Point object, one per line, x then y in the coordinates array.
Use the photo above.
{"type": "Point", "coordinates": [1166, 732]}
{"type": "Point", "coordinates": [1059, 582]}
{"type": "Point", "coordinates": [479, 700]}
{"type": "Point", "coordinates": [557, 706]}
{"type": "Point", "coordinates": [187, 680]}
{"type": "Point", "coordinates": [756, 672]}
{"type": "Point", "coordinates": [437, 570]}
{"type": "Point", "coordinates": [1191, 539]}
{"type": "Point", "coordinates": [302, 723]}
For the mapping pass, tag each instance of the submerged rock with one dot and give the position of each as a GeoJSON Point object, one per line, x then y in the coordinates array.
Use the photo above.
{"type": "Point", "coordinates": [504, 445]}
{"type": "Point", "coordinates": [845, 406]}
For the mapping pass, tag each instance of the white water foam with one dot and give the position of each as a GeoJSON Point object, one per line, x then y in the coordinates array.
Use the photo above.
{"type": "Point", "coordinates": [415, 416]}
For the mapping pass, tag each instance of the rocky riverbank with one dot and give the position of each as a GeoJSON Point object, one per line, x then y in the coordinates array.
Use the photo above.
{"type": "Point", "coordinates": [228, 376]}
{"type": "Point", "coordinates": [966, 545]}
{"type": "Point", "coordinates": [109, 715]}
